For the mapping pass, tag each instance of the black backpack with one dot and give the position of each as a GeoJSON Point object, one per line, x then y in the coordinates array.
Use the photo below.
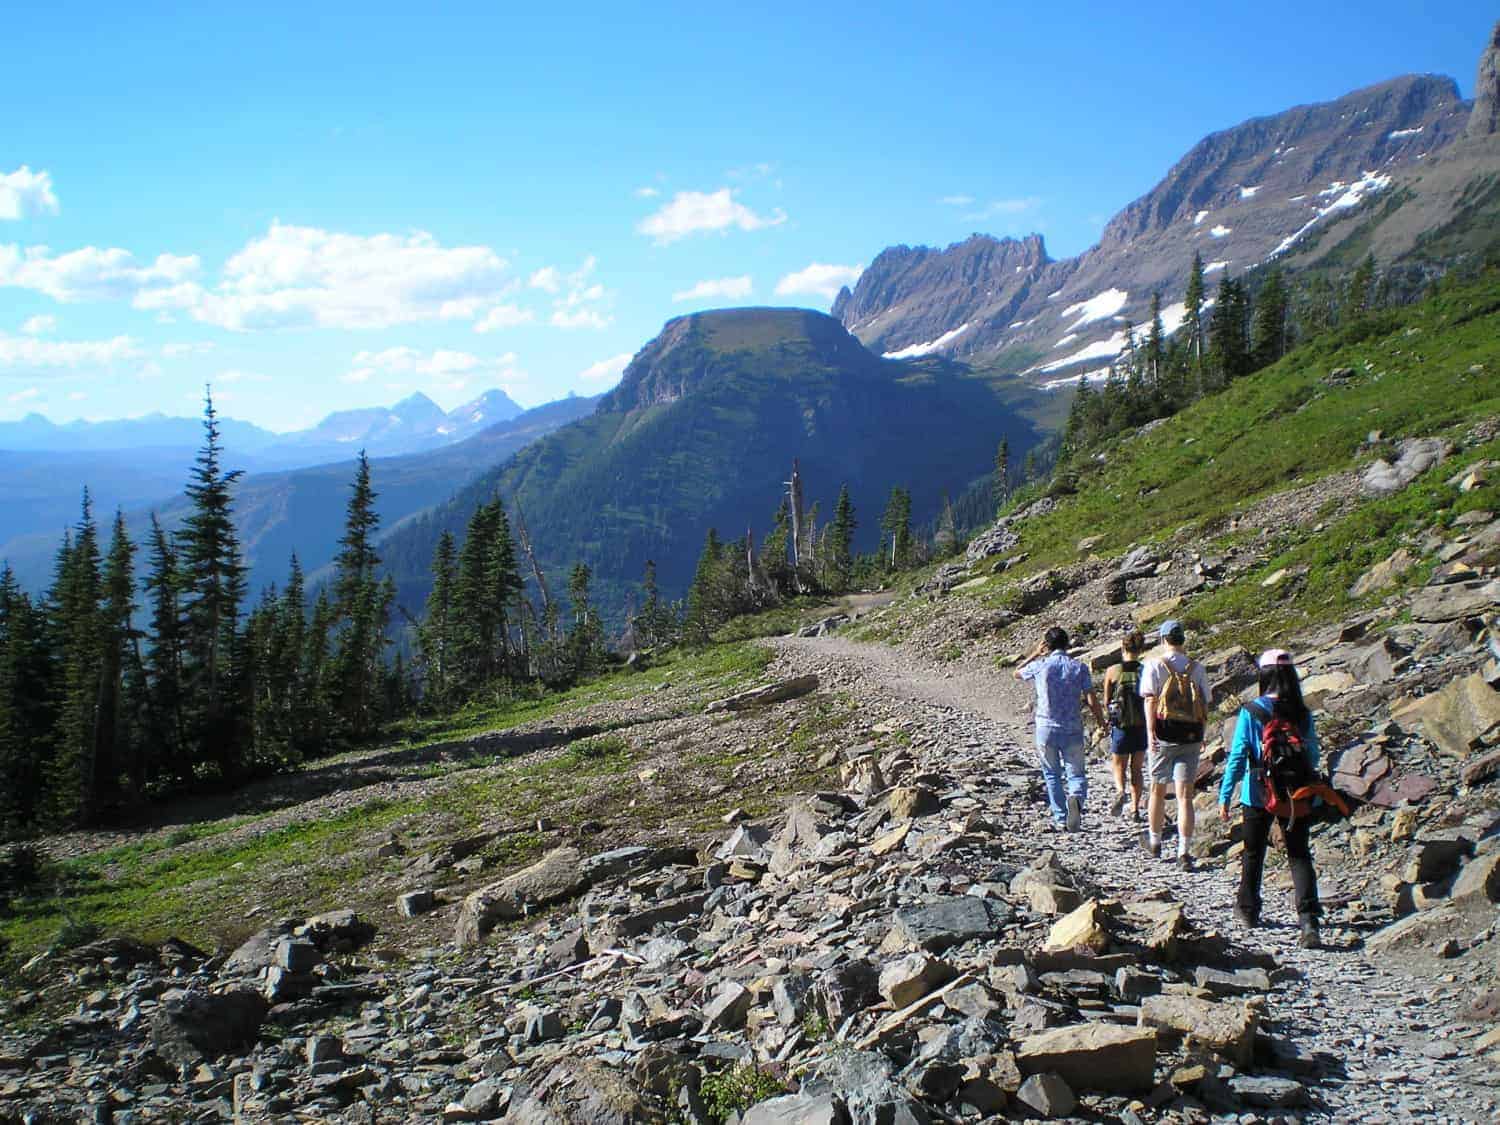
{"type": "Point", "coordinates": [1127, 710]}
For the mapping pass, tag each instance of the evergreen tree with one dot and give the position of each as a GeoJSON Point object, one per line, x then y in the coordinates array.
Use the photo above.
{"type": "Point", "coordinates": [1192, 319]}
{"type": "Point", "coordinates": [436, 642]}
{"type": "Point", "coordinates": [896, 524]}
{"type": "Point", "coordinates": [586, 638]}
{"type": "Point", "coordinates": [166, 754]}
{"type": "Point", "coordinates": [774, 552]}
{"type": "Point", "coordinates": [945, 538]}
{"type": "Point", "coordinates": [26, 716]}
{"type": "Point", "coordinates": [841, 537]}
{"type": "Point", "coordinates": [1229, 342]}
{"type": "Point", "coordinates": [704, 604]}
{"type": "Point", "coordinates": [505, 587]}
{"type": "Point", "coordinates": [1359, 297]}
{"type": "Point", "coordinates": [213, 586]}
{"type": "Point", "coordinates": [1155, 344]}
{"type": "Point", "coordinates": [476, 630]}
{"type": "Point", "coordinates": [1268, 334]}
{"type": "Point", "coordinates": [362, 612]}
{"type": "Point", "coordinates": [1002, 475]}
{"type": "Point", "coordinates": [112, 748]}
{"type": "Point", "coordinates": [75, 636]}
{"type": "Point", "coordinates": [1029, 467]}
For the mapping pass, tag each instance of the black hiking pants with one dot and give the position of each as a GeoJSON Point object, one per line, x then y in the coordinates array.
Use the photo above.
{"type": "Point", "coordinates": [1257, 824]}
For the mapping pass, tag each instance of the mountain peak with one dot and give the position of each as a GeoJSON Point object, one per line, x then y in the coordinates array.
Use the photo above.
{"type": "Point", "coordinates": [1484, 121]}
{"type": "Point", "coordinates": [417, 407]}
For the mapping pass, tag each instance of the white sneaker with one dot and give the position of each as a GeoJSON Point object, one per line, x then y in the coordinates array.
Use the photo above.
{"type": "Point", "coordinates": [1075, 814]}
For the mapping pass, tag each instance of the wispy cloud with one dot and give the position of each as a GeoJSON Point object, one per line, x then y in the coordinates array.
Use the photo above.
{"type": "Point", "coordinates": [443, 368]}
{"type": "Point", "coordinates": [820, 279]}
{"type": "Point", "coordinates": [647, 192]}
{"type": "Point", "coordinates": [1000, 207]}
{"type": "Point", "coordinates": [606, 368]}
{"type": "Point", "coordinates": [723, 288]}
{"type": "Point", "coordinates": [39, 325]}
{"type": "Point", "coordinates": [579, 300]}
{"type": "Point", "coordinates": [93, 274]}
{"type": "Point", "coordinates": [27, 353]}
{"type": "Point", "coordinates": [704, 212]}
{"type": "Point", "coordinates": [25, 194]}
{"type": "Point", "coordinates": [504, 316]}
{"type": "Point", "coordinates": [27, 395]}
{"type": "Point", "coordinates": [957, 201]}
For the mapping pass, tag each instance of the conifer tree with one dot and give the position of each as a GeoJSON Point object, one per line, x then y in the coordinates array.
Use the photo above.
{"type": "Point", "coordinates": [436, 635]}
{"type": "Point", "coordinates": [703, 602]}
{"type": "Point", "coordinates": [166, 753]}
{"type": "Point", "coordinates": [111, 727]}
{"type": "Point", "coordinates": [586, 638]}
{"type": "Point", "coordinates": [213, 586]}
{"type": "Point", "coordinates": [25, 708]}
{"type": "Point", "coordinates": [774, 550]}
{"type": "Point", "coordinates": [1192, 319]}
{"type": "Point", "coordinates": [473, 593]}
{"type": "Point", "coordinates": [1155, 343]}
{"type": "Point", "coordinates": [896, 524]}
{"type": "Point", "coordinates": [841, 537]}
{"type": "Point", "coordinates": [505, 587]}
{"type": "Point", "coordinates": [1359, 297]}
{"type": "Point", "coordinates": [1002, 475]}
{"type": "Point", "coordinates": [1268, 335]}
{"type": "Point", "coordinates": [362, 611]}
{"type": "Point", "coordinates": [75, 638]}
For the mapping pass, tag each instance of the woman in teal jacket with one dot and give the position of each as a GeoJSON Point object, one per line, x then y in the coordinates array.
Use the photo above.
{"type": "Point", "coordinates": [1281, 692]}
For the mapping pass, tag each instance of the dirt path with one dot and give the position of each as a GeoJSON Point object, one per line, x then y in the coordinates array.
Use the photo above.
{"type": "Point", "coordinates": [1378, 1044]}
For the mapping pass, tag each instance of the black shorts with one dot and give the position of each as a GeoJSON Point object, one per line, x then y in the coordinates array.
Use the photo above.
{"type": "Point", "coordinates": [1130, 740]}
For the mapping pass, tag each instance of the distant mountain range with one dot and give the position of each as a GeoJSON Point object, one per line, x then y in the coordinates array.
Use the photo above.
{"type": "Point", "coordinates": [702, 431]}
{"type": "Point", "coordinates": [413, 424]}
{"type": "Point", "coordinates": [276, 512]}
{"type": "Point", "coordinates": [1406, 169]}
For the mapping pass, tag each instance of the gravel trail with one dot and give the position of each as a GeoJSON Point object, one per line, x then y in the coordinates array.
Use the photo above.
{"type": "Point", "coordinates": [1376, 1043]}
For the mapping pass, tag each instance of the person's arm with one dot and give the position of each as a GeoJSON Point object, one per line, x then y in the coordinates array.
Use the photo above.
{"type": "Point", "coordinates": [1312, 747]}
{"type": "Point", "coordinates": [1091, 697]}
{"type": "Point", "coordinates": [1238, 763]}
{"type": "Point", "coordinates": [1111, 681]}
{"type": "Point", "coordinates": [1024, 670]}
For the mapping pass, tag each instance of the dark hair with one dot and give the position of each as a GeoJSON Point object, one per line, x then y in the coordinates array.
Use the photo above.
{"type": "Point", "coordinates": [1056, 638]}
{"type": "Point", "coordinates": [1176, 636]}
{"type": "Point", "coordinates": [1281, 681]}
{"type": "Point", "coordinates": [1133, 642]}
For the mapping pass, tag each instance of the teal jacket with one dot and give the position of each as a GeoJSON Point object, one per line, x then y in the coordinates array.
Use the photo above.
{"type": "Point", "coordinates": [1246, 750]}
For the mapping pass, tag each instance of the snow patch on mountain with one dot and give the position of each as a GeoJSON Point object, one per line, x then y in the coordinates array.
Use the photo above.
{"type": "Point", "coordinates": [1101, 306]}
{"type": "Point", "coordinates": [916, 351]}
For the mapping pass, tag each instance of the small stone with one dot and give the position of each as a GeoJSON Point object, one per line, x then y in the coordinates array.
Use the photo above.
{"type": "Point", "coordinates": [413, 903]}
{"type": "Point", "coordinates": [297, 956]}
{"type": "Point", "coordinates": [906, 981]}
{"type": "Point", "coordinates": [1048, 1095]}
{"type": "Point", "coordinates": [728, 1008]}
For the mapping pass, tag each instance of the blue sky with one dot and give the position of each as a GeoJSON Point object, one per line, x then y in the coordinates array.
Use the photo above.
{"type": "Point", "coordinates": [322, 206]}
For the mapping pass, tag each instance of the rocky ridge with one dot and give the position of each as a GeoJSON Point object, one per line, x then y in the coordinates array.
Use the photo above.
{"type": "Point", "coordinates": [1265, 189]}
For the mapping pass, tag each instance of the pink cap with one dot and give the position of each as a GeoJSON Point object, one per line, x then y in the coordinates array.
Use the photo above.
{"type": "Point", "coordinates": [1274, 656]}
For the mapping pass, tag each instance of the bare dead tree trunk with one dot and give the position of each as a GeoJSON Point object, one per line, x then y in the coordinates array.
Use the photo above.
{"type": "Point", "coordinates": [541, 581]}
{"type": "Point", "coordinates": [794, 489]}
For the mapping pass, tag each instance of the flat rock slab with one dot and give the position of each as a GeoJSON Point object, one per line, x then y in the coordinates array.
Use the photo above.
{"type": "Point", "coordinates": [1456, 719]}
{"type": "Point", "coordinates": [764, 696]}
{"type": "Point", "coordinates": [797, 1109]}
{"type": "Point", "coordinates": [1093, 1056]}
{"type": "Point", "coordinates": [939, 925]}
{"type": "Point", "coordinates": [1437, 604]}
{"type": "Point", "coordinates": [553, 878]}
{"type": "Point", "coordinates": [191, 1026]}
{"type": "Point", "coordinates": [1225, 1029]}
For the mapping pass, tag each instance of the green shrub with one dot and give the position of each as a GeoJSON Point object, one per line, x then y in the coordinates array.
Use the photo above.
{"type": "Point", "coordinates": [733, 1091]}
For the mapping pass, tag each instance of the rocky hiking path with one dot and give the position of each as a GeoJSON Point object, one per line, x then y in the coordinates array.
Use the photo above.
{"type": "Point", "coordinates": [1381, 1044]}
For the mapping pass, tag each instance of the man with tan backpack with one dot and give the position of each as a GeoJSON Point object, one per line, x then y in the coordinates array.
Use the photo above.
{"type": "Point", "coordinates": [1176, 693]}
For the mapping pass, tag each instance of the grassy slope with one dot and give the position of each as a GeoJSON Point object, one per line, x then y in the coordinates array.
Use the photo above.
{"type": "Point", "coordinates": [1433, 369]}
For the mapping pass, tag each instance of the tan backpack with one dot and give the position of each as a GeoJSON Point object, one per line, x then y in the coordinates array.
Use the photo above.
{"type": "Point", "coordinates": [1179, 711]}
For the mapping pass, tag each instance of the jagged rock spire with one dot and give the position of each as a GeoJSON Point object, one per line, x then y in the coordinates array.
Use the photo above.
{"type": "Point", "coordinates": [1485, 120]}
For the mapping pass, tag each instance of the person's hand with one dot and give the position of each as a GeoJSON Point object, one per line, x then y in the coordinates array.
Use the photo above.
{"type": "Point", "coordinates": [1223, 812]}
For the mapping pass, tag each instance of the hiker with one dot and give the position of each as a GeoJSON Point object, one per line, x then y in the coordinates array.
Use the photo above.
{"type": "Point", "coordinates": [1175, 691]}
{"type": "Point", "coordinates": [1062, 685]}
{"type": "Point", "coordinates": [1127, 723]}
{"type": "Point", "coordinates": [1276, 723]}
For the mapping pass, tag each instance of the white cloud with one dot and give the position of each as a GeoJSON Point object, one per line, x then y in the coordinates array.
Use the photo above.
{"type": "Point", "coordinates": [444, 368]}
{"type": "Point", "coordinates": [39, 325]}
{"type": "Point", "coordinates": [237, 376]}
{"type": "Point", "coordinates": [25, 194]}
{"type": "Point", "coordinates": [27, 353]}
{"type": "Point", "coordinates": [998, 207]}
{"type": "Point", "coordinates": [647, 192]}
{"type": "Point", "coordinates": [548, 279]}
{"type": "Point", "coordinates": [606, 368]}
{"type": "Point", "coordinates": [699, 212]}
{"type": "Point", "coordinates": [76, 396]}
{"type": "Point", "coordinates": [92, 274]}
{"type": "Point", "coordinates": [24, 396]}
{"type": "Point", "coordinates": [818, 280]}
{"type": "Point", "coordinates": [196, 347]}
{"type": "Point", "coordinates": [504, 316]}
{"type": "Point", "coordinates": [957, 201]}
{"type": "Point", "coordinates": [580, 318]}
{"type": "Point", "coordinates": [732, 288]}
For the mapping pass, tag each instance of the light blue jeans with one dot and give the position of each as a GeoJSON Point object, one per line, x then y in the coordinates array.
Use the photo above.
{"type": "Point", "coordinates": [1058, 751]}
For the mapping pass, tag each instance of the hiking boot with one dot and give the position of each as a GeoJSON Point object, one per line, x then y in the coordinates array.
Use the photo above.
{"type": "Point", "coordinates": [1075, 814]}
{"type": "Point", "coordinates": [1118, 807]}
{"type": "Point", "coordinates": [1310, 938]}
{"type": "Point", "coordinates": [1185, 861]}
{"type": "Point", "coordinates": [1245, 918]}
{"type": "Point", "coordinates": [1153, 850]}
